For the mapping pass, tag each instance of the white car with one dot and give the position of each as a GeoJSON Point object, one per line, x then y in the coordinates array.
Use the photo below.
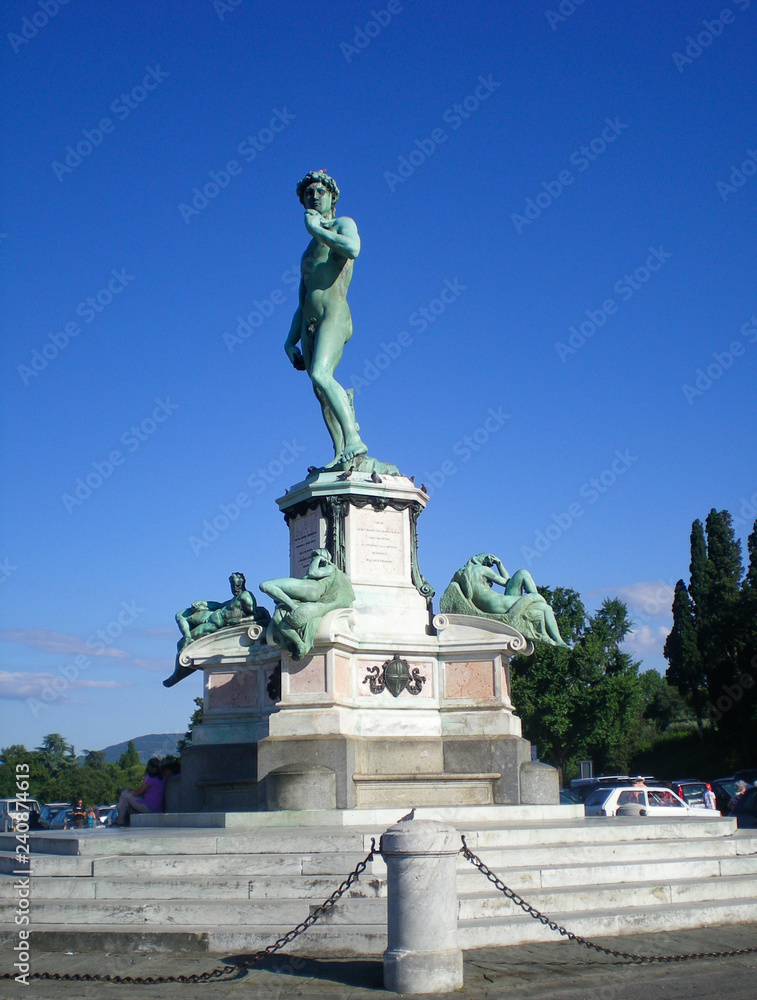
{"type": "Point", "coordinates": [639, 800]}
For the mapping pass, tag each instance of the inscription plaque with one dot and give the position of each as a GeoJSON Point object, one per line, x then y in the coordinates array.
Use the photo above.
{"type": "Point", "coordinates": [305, 534]}
{"type": "Point", "coordinates": [378, 543]}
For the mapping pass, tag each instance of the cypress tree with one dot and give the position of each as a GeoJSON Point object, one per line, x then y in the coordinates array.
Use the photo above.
{"type": "Point", "coordinates": [685, 670]}
{"type": "Point", "coordinates": [718, 620]}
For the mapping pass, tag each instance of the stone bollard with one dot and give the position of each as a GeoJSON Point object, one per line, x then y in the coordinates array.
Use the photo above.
{"type": "Point", "coordinates": [423, 955]}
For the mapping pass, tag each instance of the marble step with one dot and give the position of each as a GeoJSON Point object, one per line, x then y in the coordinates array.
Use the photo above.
{"type": "Point", "coordinates": [520, 879]}
{"type": "Point", "coordinates": [310, 887]}
{"type": "Point", "coordinates": [250, 865]}
{"type": "Point", "coordinates": [618, 852]}
{"type": "Point", "coordinates": [197, 914]}
{"type": "Point", "coordinates": [474, 906]}
{"type": "Point", "coordinates": [596, 830]}
{"type": "Point", "coordinates": [609, 922]}
{"type": "Point", "coordinates": [113, 841]}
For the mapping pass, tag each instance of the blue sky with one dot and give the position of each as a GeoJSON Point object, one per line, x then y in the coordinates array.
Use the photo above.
{"type": "Point", "coordinates": [557, 210]}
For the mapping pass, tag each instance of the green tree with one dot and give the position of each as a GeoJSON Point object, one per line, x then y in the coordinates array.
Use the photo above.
{"type": "Point", "coordinates": [587, 701]}
{"type": "Point", "coordinates": [94, 759]}
{"type": "Point", "coordinates": [129, 758]}
{"type": "Point", "coordinates": [712, 648]}
{"type": "Point", "coordinates": [685, 669]}
{"type": "Point", "coordinates": [57, 754]}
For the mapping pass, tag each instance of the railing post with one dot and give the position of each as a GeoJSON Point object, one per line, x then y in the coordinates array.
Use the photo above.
{"type": "Point", "coordinates": [423, 955]}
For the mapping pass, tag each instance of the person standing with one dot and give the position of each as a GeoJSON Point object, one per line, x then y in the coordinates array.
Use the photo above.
{"type": "Point", "coordinates": [709, 798]}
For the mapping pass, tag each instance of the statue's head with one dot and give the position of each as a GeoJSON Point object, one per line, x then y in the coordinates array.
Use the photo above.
{"type": "Point", "coordinates": [324, 554]}
{"type": "Point", "coordinates": [319, 178]}
{"type": "Point", "coordinates": [483, 559]}
{"type": "Point", "coordinates": [238, 583]}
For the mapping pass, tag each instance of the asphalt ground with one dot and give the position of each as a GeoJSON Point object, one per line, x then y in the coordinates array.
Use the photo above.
{"type": "Point", "coordinates": [550, 971]}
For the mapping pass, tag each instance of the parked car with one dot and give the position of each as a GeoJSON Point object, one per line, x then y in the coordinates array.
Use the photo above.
{"type": "Point", "coordinates": [745, 809]}
{"type": "Point", "coordinates": [585, 786]}
{"type": "Point", "coordinates": [110, 817]}
{"type": "Point", "coordinates": [570, 797]}
{"type": "Point", "coordinates": [749, 775]}
{"type": "Point", "coordinates": [102, 813]}
{"type": "Point", "coordinates": [691, 791]}
{"type": "Point", "coordinates": [724, 789]}
{"type": "Point", "coordinates": [50, 811]}
{"type": "Point", "coordinates": [13, 810]}
{"type": "Point", "coordinates": [655, 800]}
{"type": "Point", "coordinates": [63, 819]}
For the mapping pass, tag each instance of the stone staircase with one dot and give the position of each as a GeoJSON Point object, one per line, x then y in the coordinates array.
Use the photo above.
{"type": "Point", "coordinates": [237, 888]}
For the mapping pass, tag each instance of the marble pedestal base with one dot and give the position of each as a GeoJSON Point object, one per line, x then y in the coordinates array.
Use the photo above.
{"type": "Point", "coordinates": [392, 706]}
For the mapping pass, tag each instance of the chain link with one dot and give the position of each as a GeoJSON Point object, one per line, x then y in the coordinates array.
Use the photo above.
{"type": "Point", "coordinates": [564, 932]}
{"type": "Point", "coordinates": [222, 973]}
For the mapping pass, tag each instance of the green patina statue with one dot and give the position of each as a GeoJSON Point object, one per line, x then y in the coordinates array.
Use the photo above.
{"type": "Point", "coordinates": [205, 617]}
{"type": "Point", "coordinates": [322, 322]}
{"type": "Point", "coordinates": [521, 605]}
{"type": "Point", "coordinates": [301, 604]}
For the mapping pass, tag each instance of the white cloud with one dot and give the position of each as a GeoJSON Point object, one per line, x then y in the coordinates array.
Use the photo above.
{"type": "Point", "coordinates": [57, 642]}
{"type": "Point", "coordinates": [651, 598]}
{"type": "Point", "coordinates": [646, 640]}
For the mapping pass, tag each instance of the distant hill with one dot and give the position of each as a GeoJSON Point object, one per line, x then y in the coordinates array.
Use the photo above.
{"type": "Point", "coordinates": [154, 745]}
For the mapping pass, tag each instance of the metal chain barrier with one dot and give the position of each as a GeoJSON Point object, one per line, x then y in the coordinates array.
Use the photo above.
{"type": "Point", "coordinates": [564, 932]}
{"type": "Point", "coordinates": [222, 973]}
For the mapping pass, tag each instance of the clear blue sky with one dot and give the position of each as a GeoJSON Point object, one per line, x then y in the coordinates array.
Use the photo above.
{"type": "Point", "coordinates": [542, 173]}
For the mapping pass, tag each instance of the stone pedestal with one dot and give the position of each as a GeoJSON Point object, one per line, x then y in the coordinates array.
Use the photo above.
{"type": "Point", "coordinates": [422, 954]}
{"type": "Point", "coordinates": [401, 706]}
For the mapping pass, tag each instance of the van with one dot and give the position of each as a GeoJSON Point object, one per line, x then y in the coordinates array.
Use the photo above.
{"type": "Point", "coordinates": [12, 811]}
